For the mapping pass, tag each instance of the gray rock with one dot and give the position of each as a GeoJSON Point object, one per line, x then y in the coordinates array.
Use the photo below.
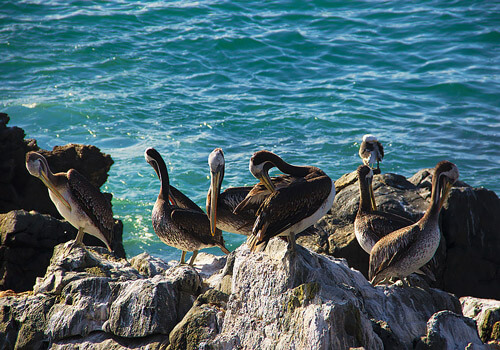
{"type": "Point", "coordinates": [448, 331]}
{"type": "Point", "coordinates": [486, 313]}
{"type": "Point", "coordinates": [105, 341]}
{"type": "Point", "coordinates": [312, 301]}
{"type": "Point", "coordinates": [87, 292]}
{"type": "Point", "coordinates": [201, 324]}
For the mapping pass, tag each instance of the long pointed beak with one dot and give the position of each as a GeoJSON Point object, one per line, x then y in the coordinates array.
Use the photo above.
{"type": "Point", "coordinates": [214, 195]}
{"type": "Point", "coordinates": [372, 195]}
{"type": "Point", "coordinates": [51, 187]}
{"type": "Point", "coordinates": [266, 180]}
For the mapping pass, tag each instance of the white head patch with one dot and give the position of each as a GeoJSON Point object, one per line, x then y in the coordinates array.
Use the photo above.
{"type": "Point", "coordinates": [369, 138]}
{"type": "Point", "coordinates": [216, 159]}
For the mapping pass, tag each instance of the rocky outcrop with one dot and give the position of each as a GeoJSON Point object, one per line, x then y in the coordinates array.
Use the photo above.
{"type": "Point", "coordinates": [28, 239]}
{"type": "Point", "coordinates": [447, 330]}
{"type": "Point", "coordinates": [486, 313]}
{"type": "Point", "coordinates": [20, 190]}
{"type": "Point", "coordinates": [89, 295]}
{"type": "Point", "coordinates": [469, 225]}
{"type": "Point", "coordinates": [275, 299]}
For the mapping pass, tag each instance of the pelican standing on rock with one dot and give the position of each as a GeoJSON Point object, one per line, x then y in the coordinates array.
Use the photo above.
{"type": "Point", "coordinates": [76, 199]}
{"type": "Point", "coordinates": [406, 250]}
{"type": "Point", "coordinates": [181, 227]}
{"type": "Point", "coordinates": [300, 201]}
{"type": "Point", "coordinates": [370, 224]}
{"type": "Point", "coordinates": [371, 151]}
{"type": "Point", "coordinates": [221, 206]}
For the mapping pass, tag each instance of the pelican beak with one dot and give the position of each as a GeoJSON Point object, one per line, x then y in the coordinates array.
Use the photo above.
{"type": "Point", "coordinates": [266, 181]}
{"type": "Point", "coordinates": [215, 186]}
{"type": "Point", "coordinates": [444, 192]}
{"type": "Point", "coordinates": [51, 187]}
{"type": "Point", "coordinates": [372, 195]}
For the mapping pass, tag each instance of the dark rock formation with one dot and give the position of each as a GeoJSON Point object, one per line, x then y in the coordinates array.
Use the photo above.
{"type": "Point", "coordinates": [467, 261]}
{"type": "Point", "coordinates": [28, 239]}
{"type": "Point", "coordinates": [27, 243]}
{"type": "Point", "coordinates": [20, 190]}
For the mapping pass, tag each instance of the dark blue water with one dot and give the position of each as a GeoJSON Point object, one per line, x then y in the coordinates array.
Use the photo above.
{"type": "Point", "coordinates": [303, 79]}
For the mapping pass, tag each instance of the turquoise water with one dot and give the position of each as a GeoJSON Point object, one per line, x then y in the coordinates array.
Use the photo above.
{"type": "Point", "coordinates": [305, 79]}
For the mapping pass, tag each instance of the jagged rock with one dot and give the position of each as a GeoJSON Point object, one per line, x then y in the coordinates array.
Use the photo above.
{"type": "Point", "coordinates": [105, 341]}
{"type": "Point", "coordinates": [20, 190]}
{"type": "Point", "coordinates": [447, 330]}
{"type": "Point", "coordinates": [486, 313]}
{"type": "Point", "coordinates": [470, 220]}
{"type": "Point", "coordinates": [281, 301]}
{"type": "Point", "coordinates": [27, 240]}
{"type": "Point", "coordinates": [90, 295]}
{"type": "Point", "coordinates": [201, 322]}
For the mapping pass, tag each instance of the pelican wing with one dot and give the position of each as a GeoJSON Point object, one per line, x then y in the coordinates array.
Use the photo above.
{"type": "Point", "coordinates": [380, 153]}
{"type": "Point", "coordinates": [392, 248]}
{"type": "Point", "coordinates": [289, 205]}
{"type": "Point", "coordinates": [93, 203]}
{"type": "Point", "coordinates": [195, 224]}
{"type": "Point", "coordinates": [382, 223]}
{"type": "Point", "coordinates": [182, 201]}
{"type": "Point", "coordinates": [258, 194]}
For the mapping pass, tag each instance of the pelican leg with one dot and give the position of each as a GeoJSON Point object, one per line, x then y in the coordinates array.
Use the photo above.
{"type": "Point", "coordinates": [79, 237]}
{"type": "Point", "coordinates": [191, 261]}
{"type": "Point", "coordinates": [183, 257]}
{"type": "Point", "coordinates": [291, 242]}
{"type": "Point", "coordinates": [77, 242]}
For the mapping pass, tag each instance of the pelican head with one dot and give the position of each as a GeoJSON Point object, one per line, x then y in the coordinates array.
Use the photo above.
{"type": "Point", "coordinates": [37, 166]}
{"type": "Point", "coordinates": [259, 166]}
{"type": "Point", "coordinates": [446, 173]}
{"type": "Point", "coordinates": [365, 173]}
{"type": "Point", "coordinates": [216, 163]}
{"type": "Point", "coordinates": [369, 138]}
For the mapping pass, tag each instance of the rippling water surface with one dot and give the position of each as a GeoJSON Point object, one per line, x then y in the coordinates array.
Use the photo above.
{"type": "Point", "coordinates": [305, 79]}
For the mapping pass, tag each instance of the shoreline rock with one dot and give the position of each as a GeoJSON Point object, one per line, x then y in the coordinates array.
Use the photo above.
{"type": "Point", "coordinates": [270, 300]}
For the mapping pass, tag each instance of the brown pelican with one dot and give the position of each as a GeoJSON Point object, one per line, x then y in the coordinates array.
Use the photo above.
{"type": "Point", "coordinates": [406, 250]}
{"type": "Point", "coordinates": [371, 151]}
{"type": "Point", "coordinates": [304, 196]}
{"type": "Point", "coordinates": [371, 224]}
{"type": "Point", "coordinates": [179, 225]}
{"type": "Point", "coordinates": [220, 206]}
{"type": "Point", "coordinates": [76, 199]}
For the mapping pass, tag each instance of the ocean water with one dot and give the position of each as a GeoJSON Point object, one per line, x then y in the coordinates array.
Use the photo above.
{"type": "Point", "coordinates": [305, 79]}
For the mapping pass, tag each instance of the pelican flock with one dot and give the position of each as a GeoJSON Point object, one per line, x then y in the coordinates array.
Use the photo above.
{"type": "Point", "coordinates": [279, 206]}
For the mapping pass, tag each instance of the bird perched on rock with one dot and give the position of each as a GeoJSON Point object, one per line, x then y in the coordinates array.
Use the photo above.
{"type": "Point", "coordinates": [371, 151]}
{"type": "Point", "coordinates": [76, 199]}
{"type": "Point", "coordinates": [304, 196]}
{"type": "Point", "coordinates": [370, 224]}
{"type": "Point", "coordinates": [406, 250]}
{"type": "Point", "coordinates": [178, 224]}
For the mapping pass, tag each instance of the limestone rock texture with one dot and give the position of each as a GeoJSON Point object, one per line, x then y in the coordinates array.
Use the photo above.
{"type": "Point", "coordinates": [486, 313]}
{"type": "Point", "coordinates": [275, 299]}
{"type": "Point", "coordinates": [27, 238]}
{"type": "Point", "coordinates": [91, 299]}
